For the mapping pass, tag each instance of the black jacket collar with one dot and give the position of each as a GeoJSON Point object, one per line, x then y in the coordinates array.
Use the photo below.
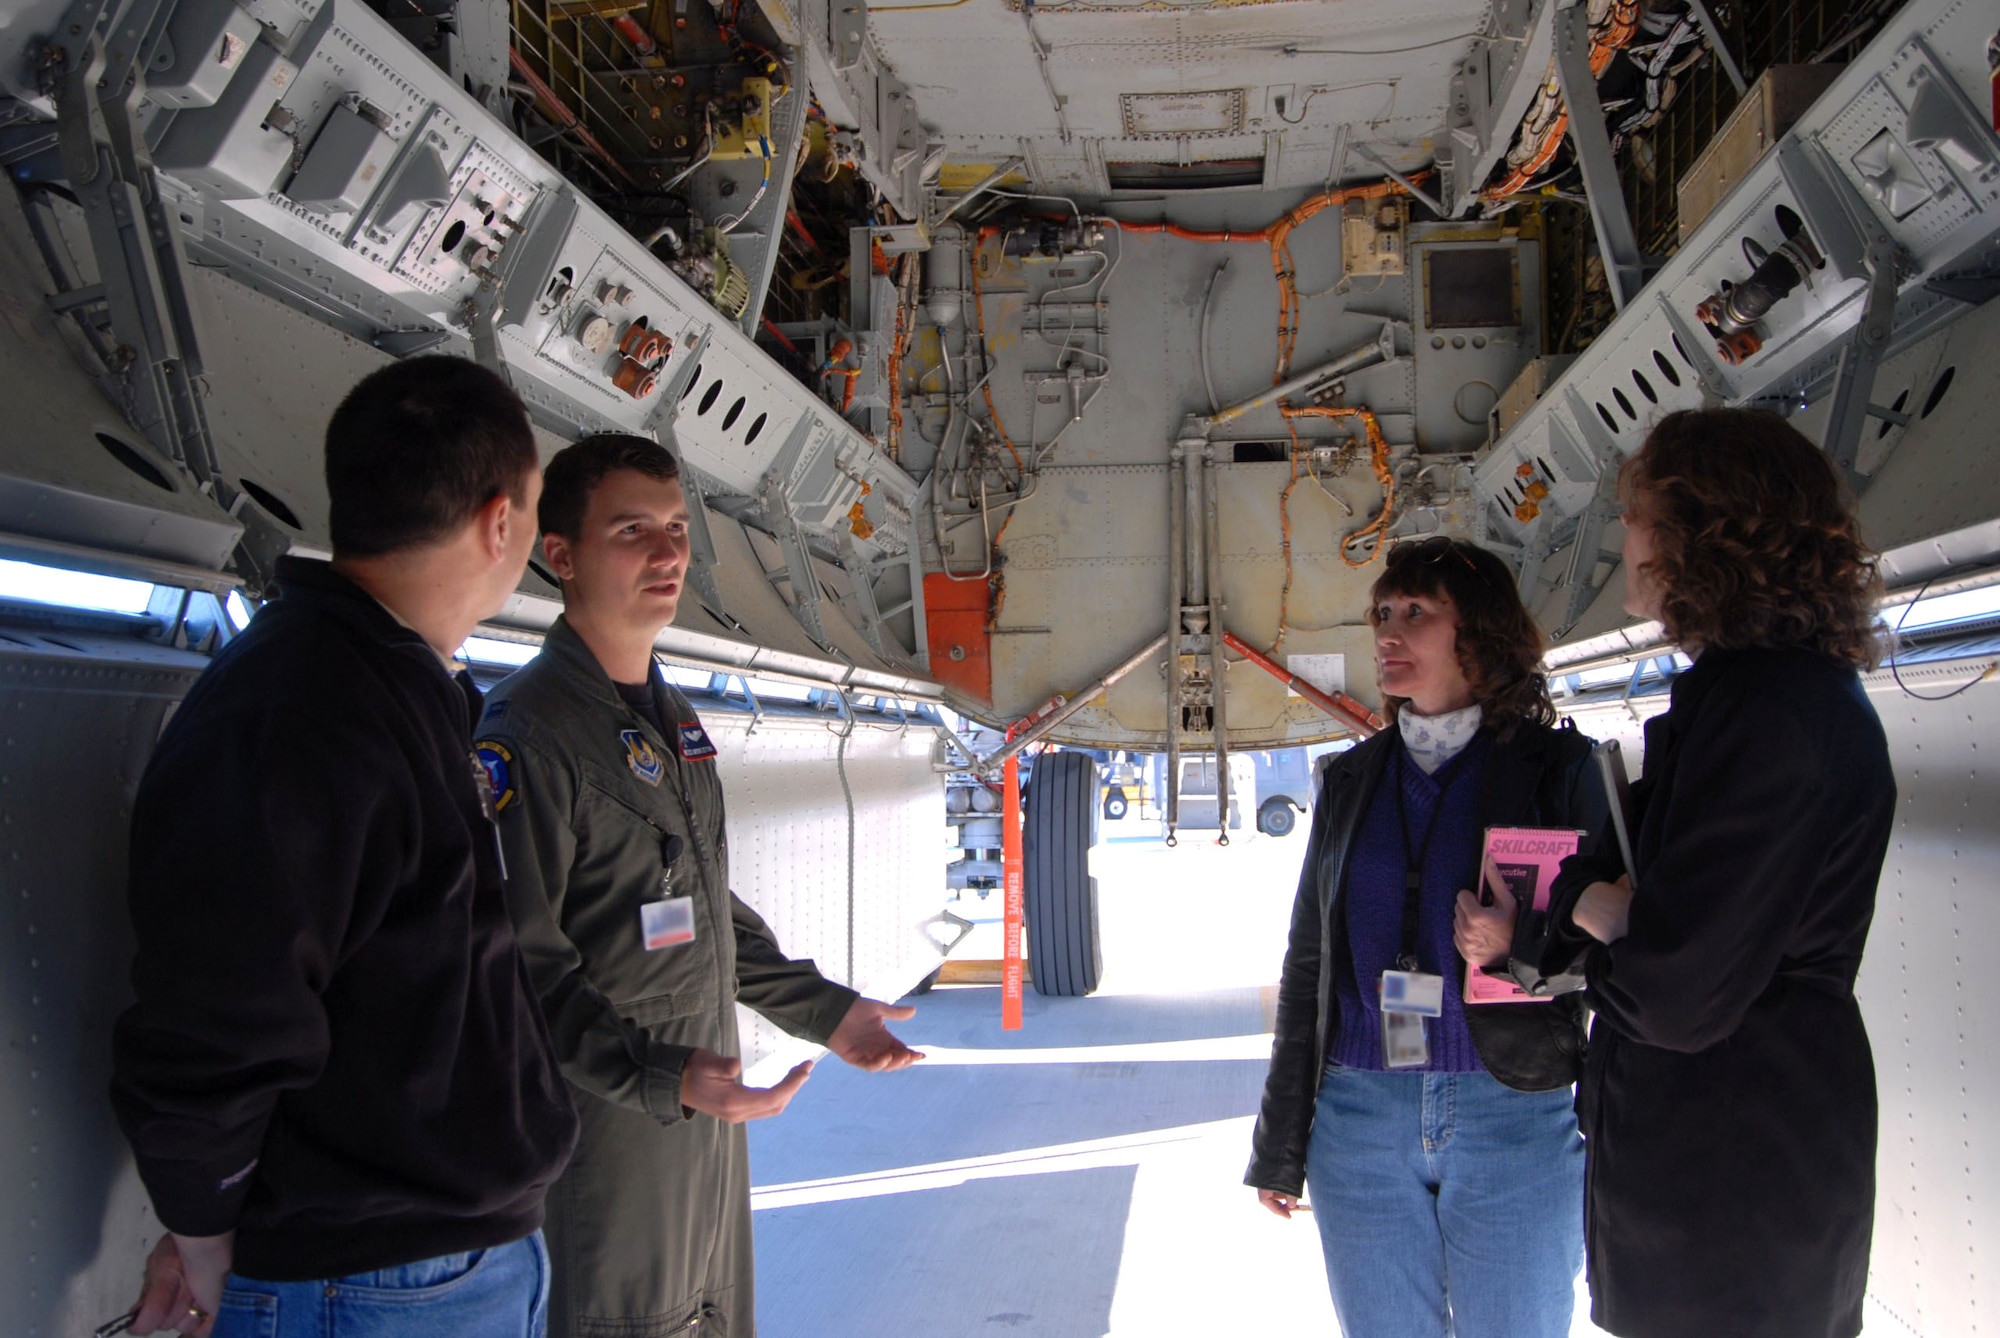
{"type": "Point", "coordinates": [311, 586]}
{"type": "Point", "coordinates": [308, 583]}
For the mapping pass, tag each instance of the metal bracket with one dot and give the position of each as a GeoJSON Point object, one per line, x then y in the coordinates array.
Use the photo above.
{"type": "Point", "coordinates": [481, 313]}
{"type": "Point", "coordinates": [1436, 205]}
{"type": "Point", "coordinates": [675, 390]}
{"type": "Point", "coordinates": [862, 578]}
{"type": "Point", "coordinates": [701, 549]}
{"type": "Point", "coordinates": [1854, 382]}
{"type": "Point", "coordinates": [798, 570]}
{"type": "Point", "coordinates": [1617, 244]}
{"type": "Point", "coordinates": [1586, 551]}
{"type": "Point", "coordinates": [1486, 112]}
{"type": "Point", "coordinates": [141, 265]}
{"type": "Point", "coordinates": [1713, 33]}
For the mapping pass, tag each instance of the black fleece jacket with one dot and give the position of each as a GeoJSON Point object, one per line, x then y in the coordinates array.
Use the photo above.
{"type": "Point", "coordinates": [335, 1048]}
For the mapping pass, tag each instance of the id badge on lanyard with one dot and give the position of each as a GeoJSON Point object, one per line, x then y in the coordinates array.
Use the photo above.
{"type": "Point", "coordinates": [668, 921]}
{"type": "Point", "coordinates": [1408, 997]}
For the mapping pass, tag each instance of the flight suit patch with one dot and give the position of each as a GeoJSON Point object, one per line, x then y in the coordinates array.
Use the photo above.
{"type": "Point", "coordinates": [640, 755]}
{"type": "Point", "coordinates": [498, 764]}
{"type": "Point", "coordinates": [695, 743]}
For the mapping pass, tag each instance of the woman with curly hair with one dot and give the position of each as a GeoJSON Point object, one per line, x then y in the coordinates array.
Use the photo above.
{"type": "Point", "coordinates": [1728, 1103]}
{"type": "Point", "coordinates": [1442, 1152]}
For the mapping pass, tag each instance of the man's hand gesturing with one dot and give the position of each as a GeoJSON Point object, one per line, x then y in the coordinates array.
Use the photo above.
{"type": "Point", "coordinates": [713, 1084]}
{"type": "Point", "coordinates": [864, 1040]}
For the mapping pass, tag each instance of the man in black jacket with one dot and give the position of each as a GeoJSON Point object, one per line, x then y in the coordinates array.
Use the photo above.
{"type": "Point", "coordinates": [336, 1079]}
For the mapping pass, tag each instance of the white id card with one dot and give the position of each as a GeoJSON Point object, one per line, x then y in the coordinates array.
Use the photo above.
{"type": "Point", "coordinates": [1417, 992]}
{"type": "Point", "coordinates": [1404, 1045]}
{"type": "Point", "coordinates": [667, 924]}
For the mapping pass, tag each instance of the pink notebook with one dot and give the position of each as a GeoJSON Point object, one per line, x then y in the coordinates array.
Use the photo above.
{"type": "Point", "coordinates": [1519, 862]}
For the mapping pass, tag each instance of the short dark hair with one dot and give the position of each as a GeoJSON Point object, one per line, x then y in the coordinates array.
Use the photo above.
{"type": "Point", "coordinates": [1499, 645]}
{"type": "Point", "coordinates": [575, 472]}
{"type": "Point", "coordinates": [1754, 537]}
{"type": "Point", "coordinates": [418, 447]}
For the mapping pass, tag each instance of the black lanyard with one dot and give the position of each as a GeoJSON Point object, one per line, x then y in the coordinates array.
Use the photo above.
{"type": "Point", "coordinates": [1414, 856]}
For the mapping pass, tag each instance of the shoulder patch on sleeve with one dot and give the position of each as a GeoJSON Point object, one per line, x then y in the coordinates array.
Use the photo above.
{"type": "Point", "coordinates": [498, 762]}
{"type": "Point", "coordinates": [694, 742]}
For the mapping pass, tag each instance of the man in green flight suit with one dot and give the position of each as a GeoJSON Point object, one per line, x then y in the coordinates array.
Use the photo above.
{"type": "Point", "coordinates": [611, 818]}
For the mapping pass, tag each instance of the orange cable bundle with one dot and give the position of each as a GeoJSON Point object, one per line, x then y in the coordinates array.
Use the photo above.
{"type": "Point", "coordinates": [1378, 458]}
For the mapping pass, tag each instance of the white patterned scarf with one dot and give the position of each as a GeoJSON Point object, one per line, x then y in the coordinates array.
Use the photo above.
{"type": "Point", "coordinates": [1433, 740]}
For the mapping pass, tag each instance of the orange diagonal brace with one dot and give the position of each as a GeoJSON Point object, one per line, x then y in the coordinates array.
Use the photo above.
{"type": "Point", "coordinates": [1336, 704]}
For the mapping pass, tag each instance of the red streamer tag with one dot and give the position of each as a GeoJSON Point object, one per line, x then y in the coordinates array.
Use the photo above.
{"type": "Point", "coordinates": [1011, 860]}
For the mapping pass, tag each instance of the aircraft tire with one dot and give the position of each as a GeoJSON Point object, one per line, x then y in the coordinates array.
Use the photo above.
{"type": "Point", "coordinates": [1064, 951]}
{"type": "Point", "coordinates": [1276, 818]}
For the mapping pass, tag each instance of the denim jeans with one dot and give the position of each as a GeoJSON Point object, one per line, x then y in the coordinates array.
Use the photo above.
{"type": "Point", "coordinates": [1447, 1204]}
{"type": "Point", "coordinates": [497, 1293]}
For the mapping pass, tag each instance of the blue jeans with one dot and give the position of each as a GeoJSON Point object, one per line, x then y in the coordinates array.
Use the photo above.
{"type": "Point", "coordinates": [497, 1293]}
{"type": "Point", "coordinates": [1447, 1204]}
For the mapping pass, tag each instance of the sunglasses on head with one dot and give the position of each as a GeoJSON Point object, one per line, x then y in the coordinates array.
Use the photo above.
{"type": "Point", "coordinates": [1435, 549]}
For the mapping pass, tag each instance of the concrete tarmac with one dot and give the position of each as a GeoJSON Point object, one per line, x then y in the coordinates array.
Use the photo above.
{"type": "Point", "coordinates": [1077, 1178]}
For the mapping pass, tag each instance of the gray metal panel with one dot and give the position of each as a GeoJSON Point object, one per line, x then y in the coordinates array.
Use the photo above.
{"type": "Point", "coordinates": [1929, 996]}
{"type": "Point", "coordinates": [1810, 174]}
{"type": "Point", "coordinates": [78, 726]}
{"type": "Point", "coordinates": [57, 481]}
{"type": "Point", "coordinates": [974, 72]}
{"type": "Point", "coordinates": [789, 833]}
{"type": "Point", "coordinates": [504, 212]}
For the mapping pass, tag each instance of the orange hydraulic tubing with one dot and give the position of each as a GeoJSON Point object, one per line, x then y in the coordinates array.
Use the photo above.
{"type": "Point", "coordinates": [1378, 459]}
{"type": "Point", "coordinates": [565, 118]}
{"type": "Point", "coordinates": [1011, 859]}
{"type": "Point", "coordinates": [1336, 704]}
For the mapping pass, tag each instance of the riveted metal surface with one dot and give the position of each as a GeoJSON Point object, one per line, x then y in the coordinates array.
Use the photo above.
{"type": "Point", "coordinates": [1929, 994]}
{"type": "Point", "coordinates": [1085, 556]}
{"type": "Point", "coordinates": [1297, 74]}
{"type": "Point", "coordinates": [76, 726]}
{"type": "Point", "coordinates": [789, 833]}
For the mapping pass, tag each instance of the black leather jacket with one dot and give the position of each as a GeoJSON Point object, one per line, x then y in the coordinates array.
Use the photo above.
{"type": "Point", "coordinates": [1540, 777]}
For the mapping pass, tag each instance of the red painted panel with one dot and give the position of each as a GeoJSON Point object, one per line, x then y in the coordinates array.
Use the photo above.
{"type": "Point", "coordinates": [961, 648]}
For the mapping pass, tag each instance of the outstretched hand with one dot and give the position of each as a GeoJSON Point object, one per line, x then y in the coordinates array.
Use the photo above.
{"type": "Point", "coordinates": [864, 1040]}
{"type": "Point", "coordinates": [713, 1084]}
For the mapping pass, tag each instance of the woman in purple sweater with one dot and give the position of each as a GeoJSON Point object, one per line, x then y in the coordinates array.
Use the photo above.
{"type": "Point", "coordinates": [1443, 1157]}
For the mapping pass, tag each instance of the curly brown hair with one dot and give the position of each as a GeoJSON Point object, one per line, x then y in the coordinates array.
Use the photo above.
{"type": "Point", "coordinates": [1499, 645]}
{"type": "Point", "coordinates": [1754, 536]}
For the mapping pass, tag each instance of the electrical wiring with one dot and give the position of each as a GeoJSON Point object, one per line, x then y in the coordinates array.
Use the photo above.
{"type": "Point", "coordinates": [1277, 236]}
{"type": "Point", "coordinates": [725, 228]}
{"type": "Point", "coordinates": [894, 371]}
{"type": "Point", "coordinates": [1896, 672]}
{"type": "Point", "coordinates": [1378, 459]}
{"type": "Point", "coordinates": [1546, 139]}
